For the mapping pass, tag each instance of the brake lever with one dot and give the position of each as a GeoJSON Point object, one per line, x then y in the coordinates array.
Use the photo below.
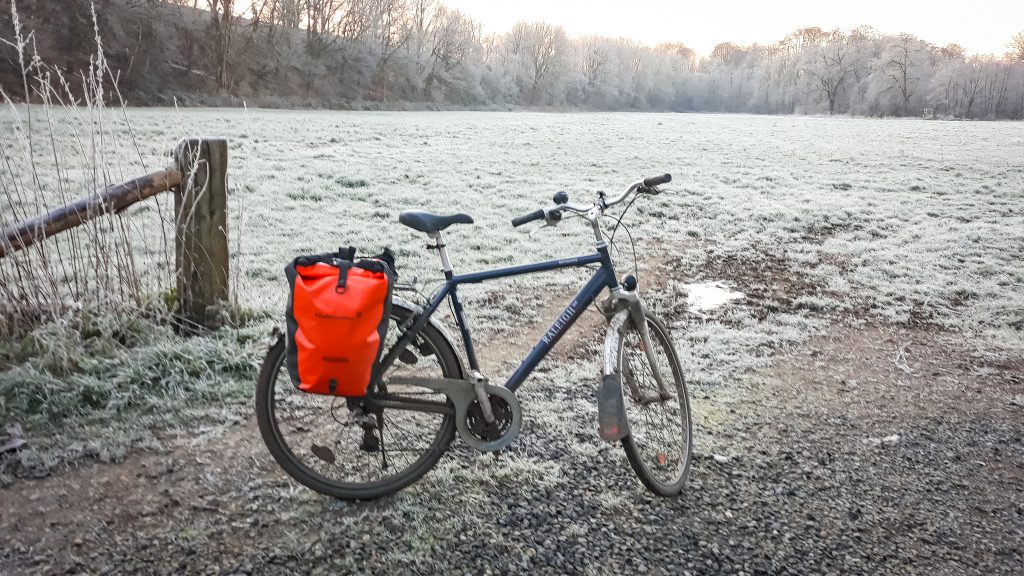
{"type": "Point", "coordinates": [551, 219]}
{"type": "Point", "coordinates": [539, 228]}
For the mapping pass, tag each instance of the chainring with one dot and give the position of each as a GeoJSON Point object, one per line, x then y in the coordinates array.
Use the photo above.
{"type": "Point", "coordinates": [483, 430]}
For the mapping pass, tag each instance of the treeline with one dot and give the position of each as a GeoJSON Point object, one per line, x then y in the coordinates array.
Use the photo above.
{"type": "Point", "coordinates": [384, 52]}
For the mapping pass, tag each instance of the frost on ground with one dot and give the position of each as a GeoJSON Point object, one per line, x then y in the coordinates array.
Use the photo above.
{"type": "Point", "coordinates": [841, 406]}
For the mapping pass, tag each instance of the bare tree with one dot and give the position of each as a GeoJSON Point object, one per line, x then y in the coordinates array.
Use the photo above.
{"type": "Point", "coordinates": [384, 50]}
{"type": "Point", "coordinates": [898, 69]}
{"type": "Point", "coordinates": [357, 19]}
{"type": "Point", "coordinates": [831, 64]}
{"type": "Point", "coordinates": [995, 82]}
{"type": "Point", "coordinates": [222, 20]}
{"type": "Point", "coordinates": [683, 52]}
{"type": "Point", "coordinates": [419, 22]}
{"type": "Point", "coordinates": [723, 52]}
{"type": "Point", "coordinates": [452, 37]}
{"type": "Point", "coordinates": [639, 62]}
{"type": "Point", "coordinates": [594, 68]}
{"type": "Point", "coordinates": [770, 55]}
{"type": "Point", "coordinates": [541, 48]}
{"type": "Point", "coordinates": [807, 38]}
{"type": "Point", "coordinates": [971, 86]}
{"type": "Point", "coordinates": [322, 18]}
{"type": "Point", "coordinates": [393, 30]}
{"type": "Point", "coordinates": [1016, 48]}
{"type": "Point", "coordinates": [953, 52]}
{"type": "Point", "coordinates": [289, 13]}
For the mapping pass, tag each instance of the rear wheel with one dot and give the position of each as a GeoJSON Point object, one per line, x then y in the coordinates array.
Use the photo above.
{"type": "Point", "coordinates": [659, 443]}
{"type": "Point", "coordinates": [330, 444]}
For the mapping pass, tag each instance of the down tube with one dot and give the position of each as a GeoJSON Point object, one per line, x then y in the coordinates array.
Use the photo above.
{"type": "Point", "coordinates": [561, 325]}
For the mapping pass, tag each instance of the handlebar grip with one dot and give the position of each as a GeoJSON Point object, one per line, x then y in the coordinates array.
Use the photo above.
{"type": "Point", "coordinates": [657, 180]}
{"type": "Point", "coordinates": [527, 218]}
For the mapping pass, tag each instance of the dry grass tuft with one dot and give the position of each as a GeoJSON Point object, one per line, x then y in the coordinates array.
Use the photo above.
{"type": "Point", "coordinates": [61, 146]}
{"type": "Point", "coordinates": [89, 363]}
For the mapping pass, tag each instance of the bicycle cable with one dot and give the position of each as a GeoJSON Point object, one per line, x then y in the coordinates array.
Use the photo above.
{"type": "Point", "coordinates": [618, 221]}
{"type": "Point", "coordinates": [611, 239]}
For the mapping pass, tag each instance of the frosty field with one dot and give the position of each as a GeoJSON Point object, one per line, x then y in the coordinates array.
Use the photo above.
{"type": "Point", "coordinates": [881, 265]}
{"type": "Point", "coordinates": [911, 219]}
{"type": "Point", "coordinates": [906, 220]}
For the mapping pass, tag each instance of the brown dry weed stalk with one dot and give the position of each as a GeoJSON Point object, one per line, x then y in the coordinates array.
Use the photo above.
{"type": "Point", "coordinates": [89, 361]}
{"type": "Point", "coordinates": [57, 145]}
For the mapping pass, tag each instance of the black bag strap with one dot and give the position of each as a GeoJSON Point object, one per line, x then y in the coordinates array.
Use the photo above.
{"type": "Point", "coordinates": [343, 266]}
{"type": "Point", "coordinates": [388, 257]}
{"type": "Point", "coordinates": [346, 259]}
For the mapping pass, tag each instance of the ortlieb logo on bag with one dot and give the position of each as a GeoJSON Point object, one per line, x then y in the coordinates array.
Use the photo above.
{"type": "Point", "coordinates": [338, 310]}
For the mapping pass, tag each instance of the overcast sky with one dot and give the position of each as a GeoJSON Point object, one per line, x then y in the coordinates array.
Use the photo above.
{"type": "Point", "coordinates": [980, 26]}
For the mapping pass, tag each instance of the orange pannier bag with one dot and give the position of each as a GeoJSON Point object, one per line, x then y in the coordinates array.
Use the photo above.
{"type": "Point", "coordinates": [338, 311]}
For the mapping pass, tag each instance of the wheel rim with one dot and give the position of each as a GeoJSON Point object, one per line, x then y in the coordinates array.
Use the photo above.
{"type": "Point", "coordinates": [328, 441]}
{"type": "Point", "coordinates": [659, 427]}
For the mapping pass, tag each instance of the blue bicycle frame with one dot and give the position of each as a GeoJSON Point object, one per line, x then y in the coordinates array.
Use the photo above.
{"type": "Point", "coordinates": [603, 278]}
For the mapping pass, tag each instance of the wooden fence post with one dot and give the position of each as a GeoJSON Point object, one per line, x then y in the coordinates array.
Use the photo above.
{"type": "Point", "coordinates": [201, 229]}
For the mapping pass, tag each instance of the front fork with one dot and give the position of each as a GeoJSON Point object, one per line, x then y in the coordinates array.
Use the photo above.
{"type": "Point", "coordinates": [624, 309]}
{"type": "Point", "coordinates": [629, 301]}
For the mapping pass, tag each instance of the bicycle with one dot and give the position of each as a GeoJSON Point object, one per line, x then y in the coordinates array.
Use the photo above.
{"type": "Point", "coordinates": [366, 448]}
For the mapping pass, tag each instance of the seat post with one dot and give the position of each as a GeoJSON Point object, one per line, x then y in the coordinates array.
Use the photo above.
{"type": "Point", "coordinates": [442, 249]}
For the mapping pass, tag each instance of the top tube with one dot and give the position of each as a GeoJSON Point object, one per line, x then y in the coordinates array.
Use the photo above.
{"type": "Point", "coordinates": [474, 277]}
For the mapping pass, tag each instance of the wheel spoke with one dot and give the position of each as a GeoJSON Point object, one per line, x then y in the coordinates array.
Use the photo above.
{"type": "Point", "coordinates": [659, 427]}
{"type": "Point", "coordinates": [400, 444]}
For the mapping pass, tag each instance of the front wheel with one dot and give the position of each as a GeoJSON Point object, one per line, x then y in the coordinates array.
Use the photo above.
{"type": "Point", "coordinates": [659, 443]}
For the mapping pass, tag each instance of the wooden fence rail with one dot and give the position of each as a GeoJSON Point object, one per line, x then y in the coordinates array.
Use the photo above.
{"type": "Point", "coordinates": [199, 181]}
{"type": "Point", "coordinates": [108, 201]}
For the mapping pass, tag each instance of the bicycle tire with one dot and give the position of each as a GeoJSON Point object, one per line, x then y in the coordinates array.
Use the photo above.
{"type": "Point", "coordinates": [636, 443]}
{"type": "Point", "coordinates": [271, 375]}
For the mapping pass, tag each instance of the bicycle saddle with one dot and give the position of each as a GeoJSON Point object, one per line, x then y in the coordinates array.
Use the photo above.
{"type": "Point", "coordinates": [427, 222]}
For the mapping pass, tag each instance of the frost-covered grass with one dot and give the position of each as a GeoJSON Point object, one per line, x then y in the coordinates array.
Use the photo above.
{"type": "Point", "coordinates": [907, 217]}
{"type": "Point", "coordinates": [93, 388]}
{"type": "Point", "coordinates": [875, 221]}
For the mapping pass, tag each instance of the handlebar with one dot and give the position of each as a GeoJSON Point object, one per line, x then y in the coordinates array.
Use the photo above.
{"type": "Point", "coordinates": [527, 218]}
{"type": "Point", "coordinates": [553, 213]}
{"type": "Point", "coordinates": [657, 180]}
